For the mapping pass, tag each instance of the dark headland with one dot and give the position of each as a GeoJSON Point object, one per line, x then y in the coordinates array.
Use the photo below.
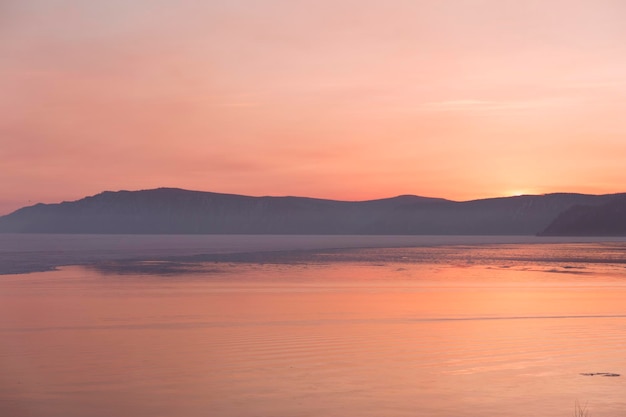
{"type": "Point", "coordinates": [177, 211]}
{"type": "Point", "coordinates": [607, 219]}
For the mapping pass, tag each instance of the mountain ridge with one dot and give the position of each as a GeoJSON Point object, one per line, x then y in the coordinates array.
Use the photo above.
{"type": "Point", "coordinates": [178, 211]}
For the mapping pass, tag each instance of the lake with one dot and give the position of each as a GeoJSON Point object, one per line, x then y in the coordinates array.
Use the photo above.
{"type": "Point", "coordinates": [458, 327]}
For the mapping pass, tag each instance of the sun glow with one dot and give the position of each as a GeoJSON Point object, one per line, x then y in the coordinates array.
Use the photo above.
{"type": "Point", "coordinates": [518, 192]}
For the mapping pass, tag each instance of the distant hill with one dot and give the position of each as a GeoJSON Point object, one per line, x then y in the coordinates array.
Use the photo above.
{"type": "Point", "coordinates": [177, 211]}
{"type": "Point", "coordinates": [607, 219]}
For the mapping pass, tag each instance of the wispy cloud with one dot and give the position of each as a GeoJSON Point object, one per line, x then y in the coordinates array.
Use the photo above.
{"type": "Point", "coordinates": [239, 104]}
{"type": "Point", "coordinates": [494, 105]}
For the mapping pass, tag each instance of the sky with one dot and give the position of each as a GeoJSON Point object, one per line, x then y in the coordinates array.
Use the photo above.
{"type": "Point", "coordinates": [341, 99]}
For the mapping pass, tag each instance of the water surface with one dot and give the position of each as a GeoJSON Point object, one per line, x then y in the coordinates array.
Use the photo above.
{"type": "Point", "coordinates": [452, 330]}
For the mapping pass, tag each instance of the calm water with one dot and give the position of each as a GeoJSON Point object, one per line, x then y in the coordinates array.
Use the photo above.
{"type": "Point", "coordinates": [464, 330]}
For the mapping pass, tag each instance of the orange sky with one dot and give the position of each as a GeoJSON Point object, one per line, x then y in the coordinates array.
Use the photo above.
{"type": "Point", "coordinates": [340, 99]}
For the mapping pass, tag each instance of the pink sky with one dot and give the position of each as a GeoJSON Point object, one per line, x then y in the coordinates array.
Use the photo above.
{"type": "Point", "coordinates": [339, 99]}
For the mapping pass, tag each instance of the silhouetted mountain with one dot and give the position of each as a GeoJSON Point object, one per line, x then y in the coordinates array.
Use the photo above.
{"type": "Point", "coordinates": [607, 219]}
{"type": "Point", "coordinates": [176, 211]}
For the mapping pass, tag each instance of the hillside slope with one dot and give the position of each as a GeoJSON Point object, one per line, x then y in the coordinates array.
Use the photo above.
{"type": "Point", "coordinates": [176, 211]}
{"type": "Point", "coordinates": [607, 219]}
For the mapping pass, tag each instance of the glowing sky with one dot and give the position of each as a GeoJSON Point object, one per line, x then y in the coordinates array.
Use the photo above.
{"type": "Point", "coordinates": [346, 99]}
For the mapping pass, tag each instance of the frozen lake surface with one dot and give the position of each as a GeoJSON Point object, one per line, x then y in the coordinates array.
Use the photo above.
{"type": "Point", "coordinates": [195, 327]}
{"type": "Point", "coordinates": [22, 253]}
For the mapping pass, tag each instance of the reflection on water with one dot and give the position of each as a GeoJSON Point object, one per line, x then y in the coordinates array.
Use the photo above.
{"type": "Point", "coordinates": [451, 331]}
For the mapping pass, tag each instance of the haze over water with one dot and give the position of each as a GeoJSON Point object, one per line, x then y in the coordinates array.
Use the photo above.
{"type": "Point", "coordinates": [453, 330]}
